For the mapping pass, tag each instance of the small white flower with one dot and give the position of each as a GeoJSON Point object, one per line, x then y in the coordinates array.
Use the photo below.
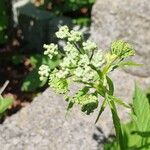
{"type": "Point", "coordinates": [51, 50]}
{"type": "Point", "coordinates": [66, 62]}
{"type": "Point", "coordinates": [44, 72]}
{"type": "Point", "coordinates": [89, 45]}
{"type": "Point", "coordinates": [88, 74]}
{"type": "Point", "coordinates": [62, 73]}
{"type": "Point", "coordinates": [79, 71]}
{"type": "Point", "coordinates": [84, 60]}
{"type": "Point", "coordinates": [72, 56]}
{"type": "Point", "coordinates": [70, 47]}
{"type": "Point", "coordinates": [97, 59]}
{"type": "Point", "coordinates": [63, 32]}
{"type": "Point", "coordinates": [84, 73]}
{"type": "Point", "coordinates": [74, 36]}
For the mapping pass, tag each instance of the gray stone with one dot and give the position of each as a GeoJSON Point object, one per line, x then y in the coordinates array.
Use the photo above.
{"type": "Point", "coordinates": [34, 24]}
{"type": "Point", "coordinates": [43, 126]}
{"type": "Point", "coordinates": [126, 20]}
{"type": "Point", "coordinates": [39, 26]}
{"type": "Point", "coordinates": [124, 83]}
{"type": "Point", "coordinates": [117, 19]}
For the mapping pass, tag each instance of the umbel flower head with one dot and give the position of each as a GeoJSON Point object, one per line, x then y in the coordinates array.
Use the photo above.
{"type": "Point", "coordinates": [83, 63]}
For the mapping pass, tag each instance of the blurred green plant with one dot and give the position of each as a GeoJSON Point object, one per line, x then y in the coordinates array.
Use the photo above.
{"type": "Point", "coordinates": [82, 21]}
{"type": "Point", "coordinates": [3, 22]}
{"type": "Point", "coordinates": [61, 7]}
{"type": "Point", "coordinates": [137, 132]}
{"type": "Point", "coordinates": [79, 11]}
{"type": "Point", "coordinates": [4, 102]}
{"type": "Point", "coordinates": [73, 5]}
{"type": "Point", "coordinates": [31, 82]}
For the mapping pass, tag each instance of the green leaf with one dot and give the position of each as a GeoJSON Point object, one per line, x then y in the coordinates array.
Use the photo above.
{"type": "Point", "coordinates": [119, 101]}
{"type": "Point", "coordinates": [132, 141]}
{"type": "Point", "coordinates": [4, 104]}
{"type": "Point", "coordinates": [110, 84]}
{"type": "Point", "coordinates": [88, 105]}
{"type": "Point", "coordinates": [141, 110]}
{"type": "Point", "coordinates": [77, 96]}
{"type": "Point", "coordinates": [37, 60]}
{"type": "Point", "coordinates": [32, 82]}
{"type": "Point", "coordinates": [97, 70]}
{"type": "Point", "coordinates": [82, 92]}
{"type": "Point", "coordinates": [136, 133]}
{"type": "Point", "coordinates": [116, 122]}
{"type": "Point", "coordinates": [88, 102]}
{"type": "Point", "coordinates": [70, 105]}
{"type": "Point", "coordinates": [128, 63]}
{"type": "Point", "coordinates": [103, 106]}
{"type": "Point", "coordinates": [111, 145]}
{"type": "Point", "coordinates": [142, 134]}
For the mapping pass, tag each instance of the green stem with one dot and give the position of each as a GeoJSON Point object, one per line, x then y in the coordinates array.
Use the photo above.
{"type": "Point", "coordinates": [78, 48]}
{"type": "Point", "coordinates": [92, 54]}
{"type": "Point", "coordinates": [117, 125]}
{"type": "Point", "coordinates": [115, 117]}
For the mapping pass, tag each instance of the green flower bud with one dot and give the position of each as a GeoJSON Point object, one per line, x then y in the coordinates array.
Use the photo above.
{"type": "Point", "coordinates": [110, 57]}
{"type": "Point", "coordinates": [60, 85]}
{"type": "Point", "coordinates": [122, 49]}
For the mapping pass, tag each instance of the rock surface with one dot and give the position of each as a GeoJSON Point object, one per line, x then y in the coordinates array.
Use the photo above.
{"type": "Point", "coordinates": [117, 19]}
{"type": "Point", "coordinates": [43, 126]}
{"type": "Point", "coordinates": [127, 20]}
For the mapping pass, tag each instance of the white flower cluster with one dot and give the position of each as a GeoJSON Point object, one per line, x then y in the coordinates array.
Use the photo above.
{"type": "Point", "coordinates": [84, 60]}
{"type": "Point", "coordinates": [84, 73]}
{"type": "Point", "coordinates": [51, 50]}
{"type": "Point", "coordinates": [44, 72]}
{"type": "Point", "coordinates": [89, 45]}
{"type": "Point", "coordinates": [70, 61]}
{"type": "Point", "coordinates": [98, 59]}
{"type": "Point", "coordinates": [63, 32]}
{"type": "Point", "coordinates": [72, 36]}
{"type": "Point", "coordinates": [78, 57]}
